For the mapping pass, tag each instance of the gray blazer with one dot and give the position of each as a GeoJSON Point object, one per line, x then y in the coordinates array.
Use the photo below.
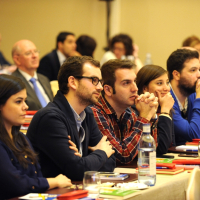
{"type": "Point", "coordinates": [32, 100]}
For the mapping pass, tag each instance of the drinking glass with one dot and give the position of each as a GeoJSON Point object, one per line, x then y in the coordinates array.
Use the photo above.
{"type": "Point", "coordinates": [91, 182]}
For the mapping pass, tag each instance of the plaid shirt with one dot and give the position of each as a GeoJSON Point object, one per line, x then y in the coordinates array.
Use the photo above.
{"type": "Point", "coordinates": [124, 133]}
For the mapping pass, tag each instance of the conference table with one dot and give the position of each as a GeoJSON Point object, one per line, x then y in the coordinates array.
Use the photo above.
{"type": "Point", "coordinates": [167, 187]}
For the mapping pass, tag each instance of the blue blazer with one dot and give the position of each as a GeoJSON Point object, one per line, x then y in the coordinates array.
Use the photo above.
{"type": "Point", "coordinates": [48, 133]}
{"type": "Point", "coordinates": [14, 179]}
{"type": "Point", "coordinates": [187, 129]}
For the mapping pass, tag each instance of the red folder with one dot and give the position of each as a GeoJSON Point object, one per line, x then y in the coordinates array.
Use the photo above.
{"type": "Point", "coordinates": [76, 194]}
{"type": "Point", "coordinates": [31, 112]}
{"type": "Point", "coordinates": [168, 165]}
{"type": "Point", "coordinates": [187, 161]}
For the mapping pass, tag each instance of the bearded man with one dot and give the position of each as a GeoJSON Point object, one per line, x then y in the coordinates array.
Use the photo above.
{"type": "Point", "coordinates": [183, 67]}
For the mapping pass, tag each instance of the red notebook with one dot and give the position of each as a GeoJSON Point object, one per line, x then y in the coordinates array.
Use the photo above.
{"type": "Point", "coordinates": [187, 161]}
{"type": "Point", "coordinates": [31, 112]}
{"type": "Point", "coordinates": [170, 171]}
{"type": "Point", "coordinates": [168, 165]}
{"type": "Point", "coordinates": [194, 142]}
{"type": "Point", "coordinates": [76, 194]}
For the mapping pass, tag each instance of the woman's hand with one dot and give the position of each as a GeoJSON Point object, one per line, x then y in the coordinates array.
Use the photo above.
{"type": "Point", "coordinates": [166, 102]}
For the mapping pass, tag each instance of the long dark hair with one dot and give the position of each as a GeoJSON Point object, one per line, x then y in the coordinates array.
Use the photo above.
{"type": "Point", "coordinates": [10, 85]}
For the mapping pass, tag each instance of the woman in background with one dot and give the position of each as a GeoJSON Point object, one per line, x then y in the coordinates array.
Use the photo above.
{"type": "Point", "coordinates": [86, 45]}
{"type": "Point", "coordinates": [154, 79]}
{"type": "Point", "coordinates": [19, 169]}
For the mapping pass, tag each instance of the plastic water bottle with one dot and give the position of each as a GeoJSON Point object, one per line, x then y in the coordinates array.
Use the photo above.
{"type": "Point", "coordinates": [147, 158]}
{"type": "Point", "coordinates": [148, 60]}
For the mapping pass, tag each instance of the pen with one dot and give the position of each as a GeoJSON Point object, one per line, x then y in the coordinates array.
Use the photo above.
{"type": "Point", "coordinates": [193, 150]}
{"type": "Point", "coordinates": [161, 168]}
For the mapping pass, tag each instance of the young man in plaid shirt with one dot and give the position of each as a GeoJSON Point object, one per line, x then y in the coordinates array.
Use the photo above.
{"type": "Point", "coordinates": [113, 114]}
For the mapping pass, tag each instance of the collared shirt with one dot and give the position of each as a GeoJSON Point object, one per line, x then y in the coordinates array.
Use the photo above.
{"type": "Point", "coordinates": [79, 119]}
{"type": "Point", "coordinates": [123, 133]}
{"type": "Point", "coordinates": [179, 104]}
{"type": "Point", "coordinates": [61, 57]}
{"type": "Point", "coordinates": [28, 77]}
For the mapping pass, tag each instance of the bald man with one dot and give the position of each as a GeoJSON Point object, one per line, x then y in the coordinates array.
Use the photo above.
{"type": "Point", "coordinates": [26, 57]}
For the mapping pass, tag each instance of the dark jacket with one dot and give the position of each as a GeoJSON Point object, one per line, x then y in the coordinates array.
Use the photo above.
{"type": "Point", "coordinates": [16, 180]}
{"type": "Point", "coordinates": [3, 61]}
{"type": "Point", "coordinates": [32, 99]}
{"type": "Point", "coordinates": [49, 66]}
{"type": "Point", "coordinates": [48, 133]}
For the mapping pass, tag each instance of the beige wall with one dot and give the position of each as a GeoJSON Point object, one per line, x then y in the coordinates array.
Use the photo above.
{"type": "Point", "coordinates": [160, 26]}
{"type": "Point", "coordinates": [157, 26]}
{"type": "Point", "coordinates": [41, 21]}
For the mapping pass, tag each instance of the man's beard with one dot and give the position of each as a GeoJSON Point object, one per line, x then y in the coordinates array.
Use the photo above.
{"type": "Point", "coordinates": [84, 99]}
{"type": "Point", "coordinates": [185, 88]}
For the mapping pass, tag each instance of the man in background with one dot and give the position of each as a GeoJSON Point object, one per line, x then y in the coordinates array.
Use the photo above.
{"type": "Point", "coordinates": [26, 57]}
{"type": "Point", "coordinates": [183, 67]}
{"type": "Point", "coordinates": [65, 47]}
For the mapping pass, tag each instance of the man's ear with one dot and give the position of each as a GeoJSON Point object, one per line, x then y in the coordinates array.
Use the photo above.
{"type": "Point", "coordinates": [108, 90]}
{"type": "Point", "coordinates": [72, 83]}
{"type": "Point", "coordinates": [60, 45]}
{"type": "Point", "coordinates": [16, 59]}
{"type": "Point", "coordinates": [176, 75]}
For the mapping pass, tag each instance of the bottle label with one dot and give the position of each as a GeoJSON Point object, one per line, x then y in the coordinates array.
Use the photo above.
{"type": "Point", "coordinates": [146, 128]}
{"type": "Point", "coordinates": [152, 163]}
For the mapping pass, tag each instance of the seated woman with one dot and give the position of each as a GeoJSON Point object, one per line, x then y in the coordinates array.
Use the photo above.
{"type": "Point", "coordinates": [19, 169]}
{"type": "Point", "coordinates": [154, 79]}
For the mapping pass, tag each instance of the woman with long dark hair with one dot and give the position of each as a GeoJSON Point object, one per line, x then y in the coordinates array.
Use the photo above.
{"type": "Point", "coordinates": [19, 169]}
{"type": "Point", "coordinates": [154, 79]}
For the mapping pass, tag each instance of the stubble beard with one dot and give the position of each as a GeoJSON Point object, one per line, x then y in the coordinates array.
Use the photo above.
{"type": "Point", "coordinates": [85, 99]}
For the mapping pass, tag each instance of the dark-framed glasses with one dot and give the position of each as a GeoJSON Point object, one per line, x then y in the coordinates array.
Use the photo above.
{"type": "Point", "coordinates": [95, 80]}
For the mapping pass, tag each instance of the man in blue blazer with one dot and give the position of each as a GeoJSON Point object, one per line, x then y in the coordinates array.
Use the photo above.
{"type": "Point", "coordinates": [69, 117]}
{"type": "Point", "coordinates": [26, 58]}
{"type": "Point", "coordinates": [50, 63]}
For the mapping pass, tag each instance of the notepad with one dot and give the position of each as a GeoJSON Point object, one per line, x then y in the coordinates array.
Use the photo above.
{"type": "Point", "coordinates": [174, 171]}
{"type": "Point", "coordinates": [116, 193]}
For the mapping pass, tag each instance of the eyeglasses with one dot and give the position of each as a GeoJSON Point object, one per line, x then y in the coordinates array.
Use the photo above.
{"type": "Point", "coordinates": [29, 53]}
{"type": "Point", "coordinates": [95, 80]}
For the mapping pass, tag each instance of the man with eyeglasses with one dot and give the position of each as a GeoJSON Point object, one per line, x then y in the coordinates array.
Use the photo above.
{"type": "Point", "coordinates": [183, 67]}
{"type": "Point", "coordinates": [68, 117]}
{"type": "Point", "coordinates": [113, 114]}
{"type": "Point", "coordinates": [26, 57]}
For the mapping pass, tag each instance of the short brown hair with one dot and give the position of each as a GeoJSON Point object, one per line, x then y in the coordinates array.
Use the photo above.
{"type": "Point", "coordinates": [108, 70]}
{"type": "Point", "coordinates": [146, 74]}
{"type": "Point", "coordinates": [73, 66]}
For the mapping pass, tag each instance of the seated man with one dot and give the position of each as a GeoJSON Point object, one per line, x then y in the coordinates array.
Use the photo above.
{"type": "Point", "coordinates": [79, 81]}
{"type": "Point", "coordinates": [113, 113]}
{"type": "Point", "coordinates": [26, 57]}
{"type": "Point", "coordinates": [184, 75]}
{"type": "Point", "coordinates": [65, 47]}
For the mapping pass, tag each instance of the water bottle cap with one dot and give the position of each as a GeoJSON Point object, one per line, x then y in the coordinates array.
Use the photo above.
{"type": "Point", "coordinates": [146, 128]}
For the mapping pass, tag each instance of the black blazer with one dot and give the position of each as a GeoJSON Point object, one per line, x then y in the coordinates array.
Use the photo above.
{"type": "Point", "coordinates": [32, 100]}
{"type": "Point", "coordinates": [48, 133]}
{"type": "Point", "coordinates": [49, 66]}
{"type": "Point", "coordinates": [3, 61]}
